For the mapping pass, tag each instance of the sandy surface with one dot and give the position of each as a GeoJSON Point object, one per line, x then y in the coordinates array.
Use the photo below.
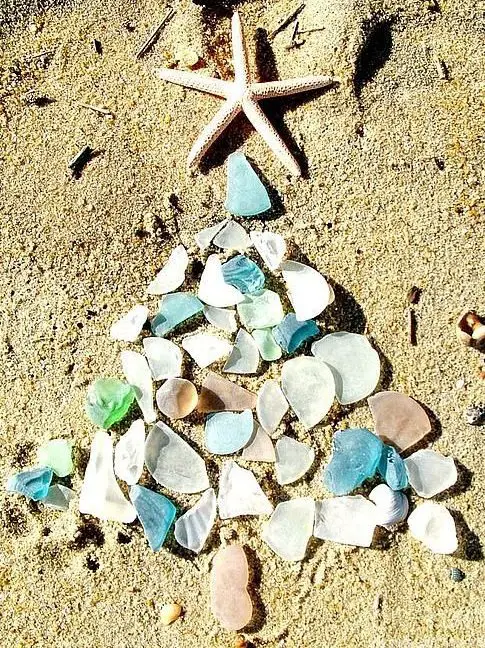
{"type": "Point", "coordinates": [391, 198]}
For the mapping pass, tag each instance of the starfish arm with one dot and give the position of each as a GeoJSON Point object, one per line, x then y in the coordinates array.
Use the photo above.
{"type": "Point", "coordinates": [239, 54]}
{"type": "Point", "coordinates": [289, 86]}
{"type": "Point", "coordinates": [197, 81]}
{"type": "Point", "coordinates": [211, 132]}
{"type": "Point", "coordinates": [267, 131]}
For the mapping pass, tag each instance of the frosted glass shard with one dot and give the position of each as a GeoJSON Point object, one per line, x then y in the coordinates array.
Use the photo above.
{"type": "Point", "coordinates": [308, 290]}
{"type": "Point", "coordinates": [240, 493]}
{"type": "Point", "coordinates": [267, 345]}
{"type": "Point", "coordinates": [391, 506]}
{"type": "Point", "coordinates": [260, 448]}
{"type": "Point", "coordinates": [100, 494]}
{"type": "Point", "coordinates": [242, 273]}
{"type": "Point", "coordinates": [138, 375]}
{"type": "Point", "coordinates": [392, 468]}
{"type": "Point", "coordinates": [222, 318]}
{"type": "Point", "coordinates": [434, 526]}
{"type": "Point", "coordinates": [398, 419]}
{"type": "Point", "coordinates": [271, 248]}
{"type": "Point", "coordinates": [246, 194]}
{"type": "Point", "coordinates": [173, 463]}
{"type": "Point", "coordinates": [233, 237]}
{"type": "Point", "coordinates": [56, 454]}
{"type": "Point", "coordinates": [271, 405]}
{"type": "Point", "coordinates": [219, 394]}
{"type": "Point", "coordinates": [309, 387]}
{"type": "Point", "coordinates": [430, 472]}
{"type": "Point", "coordinates": [34, 484]}
{"type": "Point", "coordinates": [164, 358]}
{"type": "Point", "coordinates": [293, 460]}
{"type": "Point", "coordinates": [128, 327]}
{"type": "Point", "coordinates": [230, 601]}
{"type": "Point", "coordinates": [228, 432]}
{"type": "Point", "coordinates": [205, 236]}
{"type": "Point", "coordinates": [193, 527]}
{"type": "Point", "coordinates": [174, 309]}
{"type": "Point", "coordinates": [291, 333]}
{"type": "Point", "coordinates": [349, 520]}
{"type": "Point", "coordinates": [290, 527]}
{"type": "Point", "coordinates": [172, 275]}
{"type": "Point", "coordinates": [213, 290]}
{"type": "Point", "coordinates": [155, 512]}
{"type": "Point", "coordinates": [244, 358]}
{"type": "Point", "coordinates": [58, 497]}
{"type": "Point", "coordinates": [355, 364]}
{"type": "Point", "coordinates": [177, 398]}
{"type": "Point", "coordinates": [260, 310]}
{"type": "Point", "coordinates": [205, 348]}
{"type": "Point", "coordinates": [130, 453]}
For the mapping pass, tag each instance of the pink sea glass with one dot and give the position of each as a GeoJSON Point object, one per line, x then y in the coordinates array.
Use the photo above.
{"type": "Point", "coordinates": [230, 601]}
{"type": "Point", "coordinates": [398, 419]}
{"type": "Point", "coordinates": [219, 395]}
{"type": "Point", "coordinates": [261, 447]}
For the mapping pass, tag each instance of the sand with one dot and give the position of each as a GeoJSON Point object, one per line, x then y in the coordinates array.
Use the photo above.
{"type": "Point", "coordinates": [392, 196]}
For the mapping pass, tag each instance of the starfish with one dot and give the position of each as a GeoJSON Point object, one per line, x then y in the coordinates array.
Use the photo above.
{"type": "Point", "coordinates": [243, 95]}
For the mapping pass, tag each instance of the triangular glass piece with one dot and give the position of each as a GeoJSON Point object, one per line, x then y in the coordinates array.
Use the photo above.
{"type": "Point", "coordinates": [58, 497]}
{"type": "Point", "coordinates": [205, 348]}
{"type": "Point", "coordinates": [221, 318]}
{"type": "Point", "coordinates": [193, 527]}
{"type": "Point", "coordinates": [233, 237]}
{"type": "Point", "coordinates": [164, 358]}
{"type": "Point", "coordinates": [219, 394]}
{"type": "Point", "coordinates": [172, 275]}
{"type": "Point", "coordinates": [128, 327]}
{"type": "Point", "coordinates": [293, 460]}
{"type": "Point", "coordinates": [138, 375]}
{"type": "Point", "coordinates": [205, 236]}
{"type": "Point", "coordinates": [130, 453]}
{"type": "Point", "coordinates": [34, 484]}
{"type": "Point", "coordinates": [260, 448]}
{"type": "Point", "coordinates": [271, 248]}
{"type": "Point", "coordinates": [244, 358]}
{"type": "Point", "coordinates": [240, 493]}
{"type": "Point", "coordinates": [156, 513]}
{"type": "Point", "coordinates": [213, 290]}
{"type": "Point", "coordinates": [246, 194]}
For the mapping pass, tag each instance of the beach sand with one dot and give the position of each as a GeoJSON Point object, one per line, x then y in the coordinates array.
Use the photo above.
{"type": "Point", "coordinates": [392, 196]}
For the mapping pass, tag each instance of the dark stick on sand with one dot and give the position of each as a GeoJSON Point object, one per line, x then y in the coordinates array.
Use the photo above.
{"type": "Point", "coordinates": [155, 34]}
{"type": "Point", "coordinates": [79, 161]}
{"type": "Point", "coordinates": [289, 19]}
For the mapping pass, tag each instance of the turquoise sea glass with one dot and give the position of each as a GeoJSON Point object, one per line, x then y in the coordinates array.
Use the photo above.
{"type": "Point", "coordinates": [290, 333]}
{"type": "Point", "coordinates": [174, 309]}
{"type": "Point", "coordinates": [156, 513]}
{"type": "Point", "coordinates": [34, 484]}
{"type": "Point", "coordinates": [392, 468]}
{"type": "Point", "coordinates": [243, 274]}
{"type": "Point", "coordinates": [246, 194]}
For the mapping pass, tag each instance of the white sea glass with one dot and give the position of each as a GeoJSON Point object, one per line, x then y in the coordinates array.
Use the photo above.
{"type": "Point", "coordinates": [290, 527]}
{"type": "Point", "coordinates": [213, 290]}
{"type": "Point", "coordinates": [350, 519]}
{"type": "Point", "coordinates": [205, 348]}
{"type": "Point", "coordinates": [128, 327]}
{"type": "Point", "coordinates": [130, 453]}
{"type": "Point", "coordinates": [164, 358]}
{"type": "Point", "coordinates": [193, 527]}
{"type": "Point", "coordinates": [271, 248]}
{"type": "Point", "coordinates": [205, 236]}
{"type": "Point", "coordinates": [430, 472]}
{"type": "Point", "coordinates": [434, 526]}
{"type": "Point", "coordinates": [308, 290]}
{"type": "Point", "coordinates": [293, 460]}
{"type": "Point", "coordinates": [244, 358]}
{"type": "Point", "coordinates": [172, 275]}
{"type": "Point", "coordinates": [271, 405]}
{"type": "Point", "coordinates": [222, 318]}
{"type": "Point", "coordinates": [233, 237]}
{"type": "Point", "coordinates": [309, 387]}
{"type": "Point", "coordinates": [138, 375]}
{"type": "Point", "coordinates": [240, 493]}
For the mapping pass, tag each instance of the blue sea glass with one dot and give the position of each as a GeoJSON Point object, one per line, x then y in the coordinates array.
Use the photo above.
{"type": "Point", "coordinates": [156, 513]}
{"type": "Point", "coordinates": [243, 274]}
{"type": "Point", "coordinates": [174, 309]}
{"type": "Point", "coordinates": [355, 457]}
{"type": "Point", "coordinates": [34, 484]}
{"type": "Point", "coordinates": [228, 432]}
{"type": "Point", "coordinates": [392, 468]}
{"type": "Point", "coordinates": [290, 333]}
{"type": "Point", "coordinates": [246, 194]}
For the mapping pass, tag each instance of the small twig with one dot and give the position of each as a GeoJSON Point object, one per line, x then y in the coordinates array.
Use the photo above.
{"type": "Point", "coordinates": [295, 30]}
{"type": "Point", "coordinates": [311, 31]}
{"type": "Point", "coordinates": [440, 68]}
{"type": "Point", "coordinates": [414, 293]}
{"type": "Point", "coordinates": [98, 109]}
{"type": "Point", "coordinates": [98, 46]}
{"type": "Point", "coordinates": [77, 163]}
{"type": "Point", "coordinates": [155, 34]}
{"type": "Point", "coordinates": [287, 21]}
{"type": "Point", "coordinates": [31, 57]}
{"type": "Point", "coordinates": [411, 317]}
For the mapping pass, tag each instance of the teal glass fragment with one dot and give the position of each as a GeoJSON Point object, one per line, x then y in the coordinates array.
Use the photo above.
{"type": "Point", "coordinates": [34, 484]}
{"type": "Point", "coordinates": [246, 194]}
{"type": "Point", "coordinates": [156, 513]}
{"type": "Point", "coordinates": [392, 468]}
{"type": "Point", "coordinates": [290, 333]}
{"type": "Point", "coordinates": [228, 432]}
{"type": "Point", "coordinates": [174, 309]}
{"type": "Point", "coordinates": [243, 274]}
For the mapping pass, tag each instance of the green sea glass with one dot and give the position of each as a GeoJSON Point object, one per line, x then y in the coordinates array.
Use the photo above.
{"type": "Point", "coordinates": [268, 348]}
{"type": "Point", "coordinates": [246, 194]}
{"type": "Point", "coordinates": [108, 401]}
{"type": "Point", "coordinates": [260, 310]}
{"type": "Point", "coordinates": [290, 334]}
{"type": "Point", "coordinates": [174, 309]}
{"type": "Point", "coordinates": [56, 454]}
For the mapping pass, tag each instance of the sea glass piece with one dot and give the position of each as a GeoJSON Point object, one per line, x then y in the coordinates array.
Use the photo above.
{"type": "Point", "coordinates": [193, 527]}
{"type": "Point", "coordinates": [240, 493]}
{"type": "Point", "coordinates": [156, 513]}
{"type": "Point", "coordinates": [268, 348]}
{"type": "Point", "coordinates": [175, 309]}
{"type": "Point", "coordinates": [172, 275]}
{"type": "Point", "coordinates": [430, 472]}
{"type": "Point", "coordinates": [100, 494]}
{"type": "Point", "coordinates": [108, 401]}
{"type": "Point", "coordinates": [205, 236]}
{"type": "Point", "coordinates": [260, 310]}
{"type": "Point", "coordinates": [205, 348]}
{"type": "Point", "coordinates": [244, 358]}
{"type": "Point", "coordinates": [228, 432]}
{"type": "Point", "coordinates": [434, 526]}
{"type": "Point", "coordinates": [392, 468]}
{"type": "Point", "coordinates": [56, 454]}
{"type": "Point", "coordinates": [243, 274]}
{"type": "Point", "coordinates": [230, 601]}
{"type": "Point", "coordinates": [290, 527]}
{"type": "Point", "coordinates": [232, 237]}
{"type": "Point", "coordinates": [222, 318]}
{"type": "Point", "coordinates": [130, 453]}
{"type": "Point", "coordinates": [128, 327]}
{"type": "Point", "coordinates": [213, 290]}
{"type": "Point", "coordinates": [164, 358]}
{"type": "Point", "coordinates": [309, 388]}
{"type": "Point", "coordinates": [260, 448]}
{"type": "Point", "coordinates": [308, 290]}
{"type": "Point", "coordinates": [271, 248]}
{"type": "Point", "coordinates": [355, 456]}
{"type": "Point", "coordinates": [349, 520]}
{"type": "Point", "coordinates": [271, 405]}
{"type": "Point", "coordinates": [58, 497]}
{"type": "Point", "coordinates": [219, 394]}
{"type": "Point", "coordinates": [34, 484]}
{"type": "Point", "coordinates": [398, 419]}
{"type": "Point", "coordinates": [355, 364]}
{"type": "Point", "coordinates": [290, 333]}
{"type": "Point", "coordinates": [177, 398]}
{"type": "Point", "coordinates": [138, 375]}
{"type": "Point", "coordinates": [293, 460]}
{"type": "Point", "coordinates": [173, 463]}
{"type": "Point", "coordinates": [246, 194]}
{"type": "Point", "coordinates": [391, 506]}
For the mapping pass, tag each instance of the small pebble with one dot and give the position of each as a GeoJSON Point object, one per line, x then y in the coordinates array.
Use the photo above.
{"type": "Point", "coordinates": [456, 574]}
{"type": "Point", "coordinates": [240, 642]}
{"type": "Point", "coordinates": [475, 414]}
{"type": "Point", "coordinates": [169, 613]}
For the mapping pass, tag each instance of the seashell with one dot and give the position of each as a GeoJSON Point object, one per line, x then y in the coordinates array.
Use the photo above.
{"type": "Point", "coordinates": [470, 329]}
{"type": "Point", "coordinates": [169, 613]}
{"type": "Point", "coordinates": [456, 574]}
{"type": "Point", "coordinates": [392, 506]}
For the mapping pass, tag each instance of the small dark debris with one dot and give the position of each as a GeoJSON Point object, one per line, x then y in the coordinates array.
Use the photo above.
{"type": "Point", "coordinates": [141, 233]}
{"type": "Point", "coordinates": [79, 161]}
{"type": "Point", "coordinates": [414, 294]}
{"type": "Point", "coordinates": [457, 575]}
{"type": "Point", "coordinates": [33, 99]}
{"type": "Point", "coordinates": [123, 538]}
{"type": "Point", "coordinates": [130, 27]}
{"type": "Point", "coordinates": [174, 201]}
{"type": "Point", "coordinates": [13, 518]}
{"type": "Point", "coordinates": [359, 130]}
{"type": "Point", "coordinates": [92, 563]}
{"type": "Point", "coordinates": [433, 6]}
{"type": "Point", "coordinates": [80, 325]}
{"type": "Point", "coordinates": [475, 414]}
{"type": "Point", "coordinates": [329, 225]}
{"type": "Point", "coordinates": [440, 163]}
{"type": "Point", "coordinates": [46, 531]}
{"type": "Point", "coordinates": [91, 313]}
{"type": "Point", "coordinates": [98, 47]}
{"type": "Point", "coordinates": [411, 317]}
{"type": "Point", "coordinates": [196, 269]}
{"type": "Point", "coordinates": [22, 454]}
{"type": "Point", "coordinates": [86, 534]}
